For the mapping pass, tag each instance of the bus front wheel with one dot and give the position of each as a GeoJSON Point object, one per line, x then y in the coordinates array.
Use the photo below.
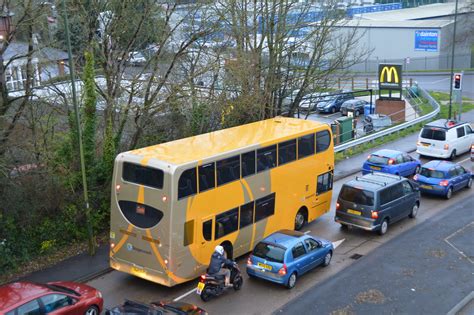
{"type": "Point", "coordinates": [300, 219]}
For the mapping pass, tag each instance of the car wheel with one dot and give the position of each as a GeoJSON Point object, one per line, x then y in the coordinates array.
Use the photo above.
{"type": "Point", "coordinates": [327, 259]}
{"type": "Point", "coordinates": [206, 294]}
{"type": "Point", "coordinates": [333, 110]}
{"type": "Point", "coordinates": [452, 157]}
{"type": "Point", "coordinates": [92, 310]}
{"type": "Point", "coordinates": [291, 281]}
{"type": "Point", "coordinates": [414, 211]}
{"type": "Point", "coordinates": [344, 226]}
{"type": "Point", "coordinates": [449, 194]}
{"type": "Point", "coordinates": [238, 282]}
{"type": "Point", "coordinates": [383, 227]}
{"type": "Point", "coordinates": [417, 170]}
{"type": "Point", "coordinates": [356, 113]}
{"type": "Point", "coordinates": [469, 183]}
{"type": "Point", "coordinates": [300, 220]}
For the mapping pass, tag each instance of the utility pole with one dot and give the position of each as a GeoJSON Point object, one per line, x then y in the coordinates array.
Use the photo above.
{"type": "Point", "coordinates": [452, 61]}
{"type": "Point", "coordinates": [92, 245]}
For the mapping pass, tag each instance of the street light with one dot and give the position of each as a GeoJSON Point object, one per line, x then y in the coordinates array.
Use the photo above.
{"type": "Point", "coordinates": [79, 133]}
{"type": "Point", "coordinates": [452, 60]}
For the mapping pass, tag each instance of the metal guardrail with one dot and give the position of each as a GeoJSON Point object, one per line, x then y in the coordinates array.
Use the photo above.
{"type": "Point", "coordinates": [388, 131]}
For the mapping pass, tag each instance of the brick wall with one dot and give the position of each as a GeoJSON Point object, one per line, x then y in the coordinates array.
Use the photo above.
{"type": "Point", "coordinates": [393, 108]}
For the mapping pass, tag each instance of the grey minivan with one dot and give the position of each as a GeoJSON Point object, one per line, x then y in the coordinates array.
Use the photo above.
{"type": "Point", "coordinates": [373, 201]}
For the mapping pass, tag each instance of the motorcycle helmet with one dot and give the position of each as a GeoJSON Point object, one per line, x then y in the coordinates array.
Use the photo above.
{"type": "Point", "coordinates": [219, 249]}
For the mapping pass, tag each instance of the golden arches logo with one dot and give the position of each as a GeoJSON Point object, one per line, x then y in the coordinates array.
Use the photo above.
{"type": "Point", "coordinates": [387, 73]}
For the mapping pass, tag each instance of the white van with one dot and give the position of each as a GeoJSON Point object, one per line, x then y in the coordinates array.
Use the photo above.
{"type": "Point", "coordinates": [444, 138]}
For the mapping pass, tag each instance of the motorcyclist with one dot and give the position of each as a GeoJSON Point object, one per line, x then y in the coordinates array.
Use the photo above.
{"type": "Point", "coordinates": [218, 263]}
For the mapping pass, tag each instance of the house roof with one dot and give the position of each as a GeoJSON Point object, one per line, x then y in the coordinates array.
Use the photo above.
{"type": "Point", "coordinates": [20, 49]}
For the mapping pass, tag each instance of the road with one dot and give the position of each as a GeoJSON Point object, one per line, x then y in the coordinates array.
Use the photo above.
{"type": "Point", "coordinates": [433, 271]}
{"type": "Point", "coordinates": [441, 82]}
{"type": "Point", "coordinates": [259, 297]}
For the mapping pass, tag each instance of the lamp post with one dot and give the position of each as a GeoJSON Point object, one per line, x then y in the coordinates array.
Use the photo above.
{"type": "Point", "coordinates": [452, 61]}
{"type": "Point", "coordinates": [92, 245]}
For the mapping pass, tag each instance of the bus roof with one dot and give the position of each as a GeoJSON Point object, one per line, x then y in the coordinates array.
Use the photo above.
{"type": "Point", "coordinates": [226, 140]}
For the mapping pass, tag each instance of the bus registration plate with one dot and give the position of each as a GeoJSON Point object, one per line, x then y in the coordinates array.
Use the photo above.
{"type": "Point", "coordinates": [200, 287]}
{"type": "Point", "coordinates": [376, 168]}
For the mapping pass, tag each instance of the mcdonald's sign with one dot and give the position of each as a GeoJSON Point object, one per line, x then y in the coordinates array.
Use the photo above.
{"type": "Point", "coordinates": [390, 77]}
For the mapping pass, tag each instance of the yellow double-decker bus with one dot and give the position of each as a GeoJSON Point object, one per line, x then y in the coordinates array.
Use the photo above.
{"type": "Point", "coordinates": [172, 203]}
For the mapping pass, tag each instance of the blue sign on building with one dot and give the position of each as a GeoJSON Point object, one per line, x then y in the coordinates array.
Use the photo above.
{"type": "Point", "coordinates": [426, 40]}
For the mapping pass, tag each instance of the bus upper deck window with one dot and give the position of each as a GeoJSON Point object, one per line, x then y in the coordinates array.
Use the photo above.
{"type": "Point", "coordinates": [187, 185]}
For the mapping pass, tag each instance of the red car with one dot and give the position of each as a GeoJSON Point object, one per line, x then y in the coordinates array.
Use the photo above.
{"type": "Point", "coordinates": [51, 298]}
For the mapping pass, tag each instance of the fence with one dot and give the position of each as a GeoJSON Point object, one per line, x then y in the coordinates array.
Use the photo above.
{"type": "Point", "coordinates": [440, 62]}
{"type": "Point", "coordinates": [415, 102]}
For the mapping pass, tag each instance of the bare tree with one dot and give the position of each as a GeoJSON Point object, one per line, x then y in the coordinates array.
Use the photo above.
{"type": "Point", "coordinates": [273, 38]}
{"type": "Point", "coordinates": [23, 24]}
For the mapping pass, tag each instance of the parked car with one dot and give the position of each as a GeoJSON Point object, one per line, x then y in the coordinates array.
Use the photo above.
{"type": "Point", "coordinates": [136, 58]}
{"type": "Point", "coordinates": [310, 101]}
{"type": "Point", "coordinates": [442, 178]}
{"type": "Point", "coordinates": [445, 139]}
{"type": "Point", "coordinates": [374, 201]}
{"type": "Point", "coordinates": [392, 162]}
{"type": "Point", "coordinates": [376, 122]}
{"type": "Point", "coordinates": [356, 106]}
{"type": "Point", "coordinates": [285, 255]}
{"type": "Point", "coordinates": [155, 308]}
{"type": "Point", "coordinates": [333, 104]}
{"type": "Point", "coordinates": [53, 297]}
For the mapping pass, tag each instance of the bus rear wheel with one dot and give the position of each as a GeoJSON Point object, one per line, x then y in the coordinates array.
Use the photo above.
{"type": "Point", "coordinates": [300, 219]}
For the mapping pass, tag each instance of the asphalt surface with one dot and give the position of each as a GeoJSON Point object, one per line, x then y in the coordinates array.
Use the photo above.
{"type": "Point", "coordinates": [261, 297]}
{"type": "Point", "coordinates": [426, 270]}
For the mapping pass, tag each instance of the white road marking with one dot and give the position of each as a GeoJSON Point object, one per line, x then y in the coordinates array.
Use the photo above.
{"type": "Point", "coordinates": [327, 116]}
{"type": "Point", "coordinates": [438, 81]}
{"type": "Point", "coordinates": [457, 249]}
{"type": "Point", "coordinates": [307, 232]}
{"type": "Point", "coordinates": [184, 295]}
{"type": "Point", "coordinates": [462, 161]}
{"type": "Point", "coordinates": [337, 243]}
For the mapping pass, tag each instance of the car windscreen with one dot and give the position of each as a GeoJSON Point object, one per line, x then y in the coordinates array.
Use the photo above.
{"type": "Point", "coordinates": [377, 159]}
{"type": "Point", "coordinates": [357, 195]}
{"type": "Point", "coordinates": [269, 252]}
{"type": "Point", "coordinates": [433, 134]}
{"type": "Point", "coordinates": [431, 173]}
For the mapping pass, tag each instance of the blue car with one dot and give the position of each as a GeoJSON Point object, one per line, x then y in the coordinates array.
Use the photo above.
{"type": "Point", "coordinates": [392, 162]}
{"type": "Point", "coordinates": [285, 255]}
{"type": "Point", "coordinates": [442, 178]}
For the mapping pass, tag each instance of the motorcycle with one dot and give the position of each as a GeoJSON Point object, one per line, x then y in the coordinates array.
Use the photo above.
{"type": "Point", "coordinates": [211, 286]}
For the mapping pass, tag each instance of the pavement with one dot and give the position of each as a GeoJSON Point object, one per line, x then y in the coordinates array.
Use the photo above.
{"type": "Point", "coordinates": [433, 273]}
{"type": "Point", "coordinates": [83, 267]}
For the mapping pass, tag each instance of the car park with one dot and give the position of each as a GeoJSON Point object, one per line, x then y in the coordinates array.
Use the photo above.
{"type": "Point", "coordinates": [445, 139]}
{"type": "Point", "coordinates": [51, 298]}
{"type": "Point", "coordinates": [374, 201]}
{"type": "Point", "coordinates": [333, 103]}
{"type": "Point", "coordinates": [285, 255]}
{"type": "Point", "coordinates": [310, 101]}
{"type": "Point", "coordinates": [442, 178]}
{"type": "Point", "coordinates": [355, 106]}
{"type": "Point", "coordinates": [155, 308]}
{"type": "Point", "coordinates": [392, 162]}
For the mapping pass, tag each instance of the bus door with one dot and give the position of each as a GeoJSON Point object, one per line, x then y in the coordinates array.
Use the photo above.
{"type": "Point", "coordinates": [205, 239]}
